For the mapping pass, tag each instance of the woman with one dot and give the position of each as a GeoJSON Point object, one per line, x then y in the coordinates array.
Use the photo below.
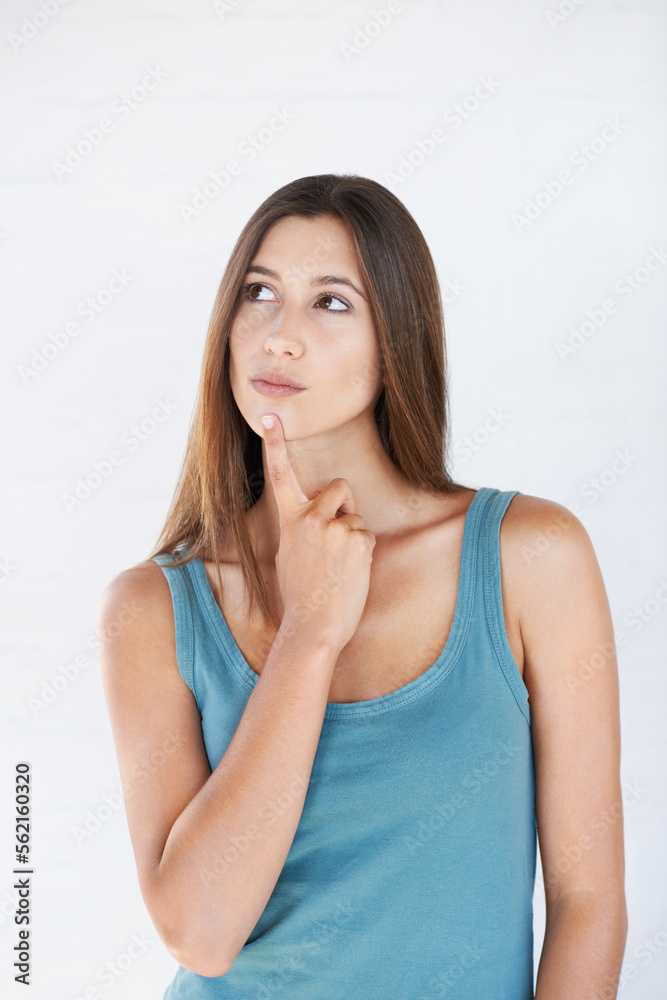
{"type": "Point", "coordinates": [351, 760]}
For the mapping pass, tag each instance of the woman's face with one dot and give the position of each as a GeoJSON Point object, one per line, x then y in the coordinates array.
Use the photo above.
{"type": "Point", "coordinates": [304, 321]}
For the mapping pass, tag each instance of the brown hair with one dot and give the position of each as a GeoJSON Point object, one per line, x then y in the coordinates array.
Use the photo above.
{"type": "Point", "coordinates": [222, 474]}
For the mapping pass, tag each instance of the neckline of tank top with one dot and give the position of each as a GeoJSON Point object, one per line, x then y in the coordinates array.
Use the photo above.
{"type": "Point", "coordinates": [403, 695]}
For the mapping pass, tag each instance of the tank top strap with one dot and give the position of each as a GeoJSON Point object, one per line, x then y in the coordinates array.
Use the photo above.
{"type": "Point", "coordinates": [183, 600]}
{"type": "Point", "coordinates": [489, 622]}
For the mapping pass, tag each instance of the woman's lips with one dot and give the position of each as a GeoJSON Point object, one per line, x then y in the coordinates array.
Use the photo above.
{"type": "Point", "coordinates": [270, 389]}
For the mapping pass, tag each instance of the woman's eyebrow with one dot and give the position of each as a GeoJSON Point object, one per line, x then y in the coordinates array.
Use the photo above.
{"type": "Point", "coordinates": [318, 279]}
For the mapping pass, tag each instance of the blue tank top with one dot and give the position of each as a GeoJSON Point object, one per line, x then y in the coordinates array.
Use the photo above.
{"type": "Point", "coordinates": [412, 869]}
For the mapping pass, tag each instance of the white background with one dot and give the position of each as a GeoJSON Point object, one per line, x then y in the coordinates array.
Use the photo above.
{"type": "Point", "coordinates": [523, 289]}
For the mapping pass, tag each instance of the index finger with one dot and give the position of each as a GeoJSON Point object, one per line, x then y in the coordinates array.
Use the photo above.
{"type": "Point", "coordinates": [287, 491]}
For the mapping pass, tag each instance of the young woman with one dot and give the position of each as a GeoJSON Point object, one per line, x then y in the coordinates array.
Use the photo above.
{"type": "Point", "coordinates": [361, 687]}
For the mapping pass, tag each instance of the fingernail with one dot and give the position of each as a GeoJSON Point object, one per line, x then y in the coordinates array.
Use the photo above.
{"type": "Point", "coordinates": [267, 421]}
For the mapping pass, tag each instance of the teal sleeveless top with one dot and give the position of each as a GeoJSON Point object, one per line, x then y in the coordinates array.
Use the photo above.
{"type": "Point", "coordinates": [412, 869]}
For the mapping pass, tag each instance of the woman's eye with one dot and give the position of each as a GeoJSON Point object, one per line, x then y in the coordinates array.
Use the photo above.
{"type": "Point", "coordinates": [256, 285]}
{"type": "Point", "coordinates": [333, 298]}
{"type": "Point", "coordinates": [248, 289]}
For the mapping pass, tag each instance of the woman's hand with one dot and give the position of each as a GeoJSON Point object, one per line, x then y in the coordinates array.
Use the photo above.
{"type": "Point", "coordinates": [324, 555]}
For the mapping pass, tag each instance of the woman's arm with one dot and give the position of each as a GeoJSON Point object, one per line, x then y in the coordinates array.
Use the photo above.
{"type": "Point", "coordinates": [553, 585]}
{"type": "Point", "coordinates": [208, 848]}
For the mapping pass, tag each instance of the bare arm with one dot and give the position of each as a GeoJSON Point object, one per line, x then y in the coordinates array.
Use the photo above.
{"type": "Point", "coordinates": [554, 581]}
{"type": "Point", "coordinates": [206, 858]}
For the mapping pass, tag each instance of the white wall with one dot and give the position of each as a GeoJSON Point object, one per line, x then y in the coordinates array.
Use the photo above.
{"type": "Point", "coordinates": [555, 84]}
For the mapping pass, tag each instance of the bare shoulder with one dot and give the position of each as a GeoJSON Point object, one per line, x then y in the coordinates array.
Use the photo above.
{"type": "Point", "coordinates": [135, 622]}
{"type": "Point", "coordinates": [550, 573]}
{"type": "Point", "coordinates": [136, 604]}
{"type": "Point", "coordinates": [135, 578]}
{"type": "Point", "coordinates": [538, 536]}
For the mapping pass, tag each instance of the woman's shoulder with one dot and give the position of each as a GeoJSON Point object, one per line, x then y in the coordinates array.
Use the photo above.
{"type": "Point", "coordinates": [142, 576]}
{"type": "Point", "coordinates": [533, 526]}
{"type": "Point", "coordinates": [544, 548]}
{"type": "Point", "coordinates": [136, 597]}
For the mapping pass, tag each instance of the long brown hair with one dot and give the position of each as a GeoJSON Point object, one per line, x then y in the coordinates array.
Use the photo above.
{"type": "Point", "coordinates": [222, 474]}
